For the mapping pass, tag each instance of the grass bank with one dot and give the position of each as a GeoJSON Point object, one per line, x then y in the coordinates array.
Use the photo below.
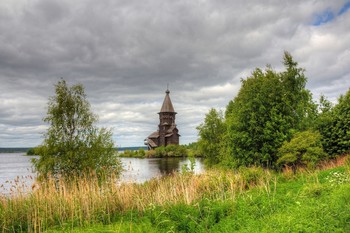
{"type": "Point", "coordinates": [249, 200]}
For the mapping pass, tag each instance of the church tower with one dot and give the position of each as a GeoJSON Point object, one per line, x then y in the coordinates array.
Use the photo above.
{"type": "Point", "coordinates": [167, 132]}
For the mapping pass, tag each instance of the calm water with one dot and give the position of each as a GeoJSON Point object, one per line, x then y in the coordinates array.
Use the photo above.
{"type": "Point", "coordinates": [141, 170]}
{"type": "Point", "coordinates": [17, 166]}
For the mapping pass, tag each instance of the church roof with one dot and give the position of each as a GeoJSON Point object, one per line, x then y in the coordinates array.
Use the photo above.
{"type": "Point", "coordinates": [167, 105]}
{"type": "Point", "coordinates": [154, 135]}
{"type": "Point", "coordinates": [152, 143]}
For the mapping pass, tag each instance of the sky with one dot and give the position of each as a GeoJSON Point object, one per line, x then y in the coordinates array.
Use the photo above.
{"type": "Point", "coordinates": [126, 52]}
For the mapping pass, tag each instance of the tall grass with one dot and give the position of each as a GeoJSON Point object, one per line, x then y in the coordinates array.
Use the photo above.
{"type": "Point", "coordinates": [84, 201]}
{"type": "Point", "coordinates": [87, 201]}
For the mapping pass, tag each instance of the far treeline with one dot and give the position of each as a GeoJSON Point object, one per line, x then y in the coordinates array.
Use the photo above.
{"type": "Point", "coordinates": [273, 122]}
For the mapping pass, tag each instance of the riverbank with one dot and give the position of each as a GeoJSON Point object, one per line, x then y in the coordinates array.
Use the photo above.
{"type": "Point", "coordinates": [249, 200]}
{"type": "Point", "coordinates": [170, 151]}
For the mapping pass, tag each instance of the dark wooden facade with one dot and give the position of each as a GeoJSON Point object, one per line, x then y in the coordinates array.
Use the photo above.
{"type": "Point", "coordinates": [167, 132]}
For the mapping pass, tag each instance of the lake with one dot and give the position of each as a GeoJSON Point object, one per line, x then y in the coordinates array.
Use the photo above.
{"type": "Point", "coordinates": [18, 166]}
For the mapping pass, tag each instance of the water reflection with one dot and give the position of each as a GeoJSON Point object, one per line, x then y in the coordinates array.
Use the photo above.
{"type": "Point", "coordinates": [141, 170]}
{"type": "Point", "coordinates": [167, 165]}
{"type": "Point", "coordinates": [17, 166]}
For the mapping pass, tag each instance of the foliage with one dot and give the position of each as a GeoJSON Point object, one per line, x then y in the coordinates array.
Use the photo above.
{"type": "Point", "coordinates": [167, 151]}
{"type": "Point", "coordinates": [211, 136]}
{"type": "Point", "coordinates": [73, 146]}
{"type": "Point", "coordinates": [334, 125]}
{"type": "Point", "coordinates": [304, 148]}
{"type": "Point", "coordinates": [268, 109]}
{"type": "Point", "coordinates": [140, 153]}
{"type": "Point", "coordinates": [192, 145]}
{"type": "Point", "coordinates": [193, 150]}
{"type": "Point", "coordinates": [31, 151]}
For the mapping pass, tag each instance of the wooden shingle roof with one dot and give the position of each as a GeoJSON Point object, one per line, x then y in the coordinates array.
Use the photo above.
{"type": "Point", "coordinates": [167, 105]}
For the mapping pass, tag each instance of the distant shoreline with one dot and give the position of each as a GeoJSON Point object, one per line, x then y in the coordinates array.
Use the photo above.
{"type": "Point", "coordinates": [14, 149]}
{"type": "Point", "coordinates": [25, 149]}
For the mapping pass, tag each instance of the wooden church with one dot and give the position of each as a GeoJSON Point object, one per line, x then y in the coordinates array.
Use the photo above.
{"type": "Point", "coordinates": [167, 132]}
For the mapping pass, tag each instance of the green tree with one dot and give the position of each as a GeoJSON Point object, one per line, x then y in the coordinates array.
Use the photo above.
{"type": "Point", "coordinates": [72, 145]}
{"type": "Point", "coordinates": [211, 136]}
{"type": "Point", "coordinates": [304, 149]}
{"type": "Point", "coordinates": [268, 109]}
{"type": "Point", "coordinates": [334, 125]}
{"type": "Point", "coordinates": [325, 105]}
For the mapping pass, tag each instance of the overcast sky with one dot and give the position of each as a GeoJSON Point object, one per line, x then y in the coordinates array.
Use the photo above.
{"type": "Point", "coordinates": [125, 52]}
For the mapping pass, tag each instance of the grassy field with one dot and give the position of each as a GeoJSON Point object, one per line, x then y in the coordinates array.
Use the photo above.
{"type": "Point", "coordinates": [248, 200]}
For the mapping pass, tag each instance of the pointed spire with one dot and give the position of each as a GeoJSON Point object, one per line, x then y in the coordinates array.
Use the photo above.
{"type": "Point", "coordinates": [167, 105]}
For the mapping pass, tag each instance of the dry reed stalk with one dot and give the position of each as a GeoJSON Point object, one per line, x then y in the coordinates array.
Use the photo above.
{"type": "Point", "coordinates": [336, 162]}
{"type": "Point", "coordinates": [85, 200]}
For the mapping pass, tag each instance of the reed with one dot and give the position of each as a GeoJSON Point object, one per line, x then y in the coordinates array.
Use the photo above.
{"type": "Point", "coordinates": [85, 201]}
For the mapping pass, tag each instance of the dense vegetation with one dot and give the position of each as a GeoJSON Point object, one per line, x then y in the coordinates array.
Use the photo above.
{"type": "Point", "coordinates": [248, 200]}
{"type": "Point", "coordinates": [304, 149]}
{"type": "Point", "coordinates": [73, 146]}
{"type": "Point", "coordinates": [211, 136]}
{"type": "Point", "coordinates": [162, 152]}
{"type": "Point", "coordinates": [334, 125]}
{"type": "Point", "coordinates": [273, 122]}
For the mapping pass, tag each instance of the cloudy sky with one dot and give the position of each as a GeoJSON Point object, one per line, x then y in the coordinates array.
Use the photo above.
{"type": "Point", "coordinates": [125, 52]}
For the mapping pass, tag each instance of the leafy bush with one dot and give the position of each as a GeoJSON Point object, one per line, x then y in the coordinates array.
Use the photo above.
{"type": "Point", "coordinates": [304, 148]}
{"type": "Point", "coordinates": [150, 154]}
{"type": "Point", "coordinates": [167, 151]}
{"type": "Point", "coordinates": [133, 153]}
{"type": "Point", "coordinates": [334, 125]}
{"type": "Point", "coordinates": [193, 150]}
{"type": "Point", "coordinates": [211, 135]}
{"type": "Point", "coordinates": [175, 151]}
{"type": "Point", "coordinates": [31, 151]}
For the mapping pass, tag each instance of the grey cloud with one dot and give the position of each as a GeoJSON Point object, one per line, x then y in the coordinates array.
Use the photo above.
{"type": "Point", "coordinates": [126, 52]}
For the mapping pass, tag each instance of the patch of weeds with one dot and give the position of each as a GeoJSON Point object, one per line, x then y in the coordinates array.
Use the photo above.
{"type": "Point", "coordinates": [324, 175]}
{"type": "Point", "coordinates": [337, 178]}
{"type": "Point", "coordinates": [198, 217]}
{"type": "Point", "coordinates": [252, 175]}
{"type": "Point", "coordinates": [314, 190]}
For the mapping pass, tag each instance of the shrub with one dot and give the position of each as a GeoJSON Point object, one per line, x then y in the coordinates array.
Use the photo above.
{"type": "Point", "coordinates": [334, 126]}
{"type": "Point", "coordinates": [150, 154]}
{"type": "Point", "coordinates": [168, 151]}
{"type": "Point", "coordinates": [211, 136]}
{"type": "Point", "coordinates": [31, 151]}
{"type": "Point", "coordinates": [304, 148]}
{"type": "Point", "coordinates": [133, 153]}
